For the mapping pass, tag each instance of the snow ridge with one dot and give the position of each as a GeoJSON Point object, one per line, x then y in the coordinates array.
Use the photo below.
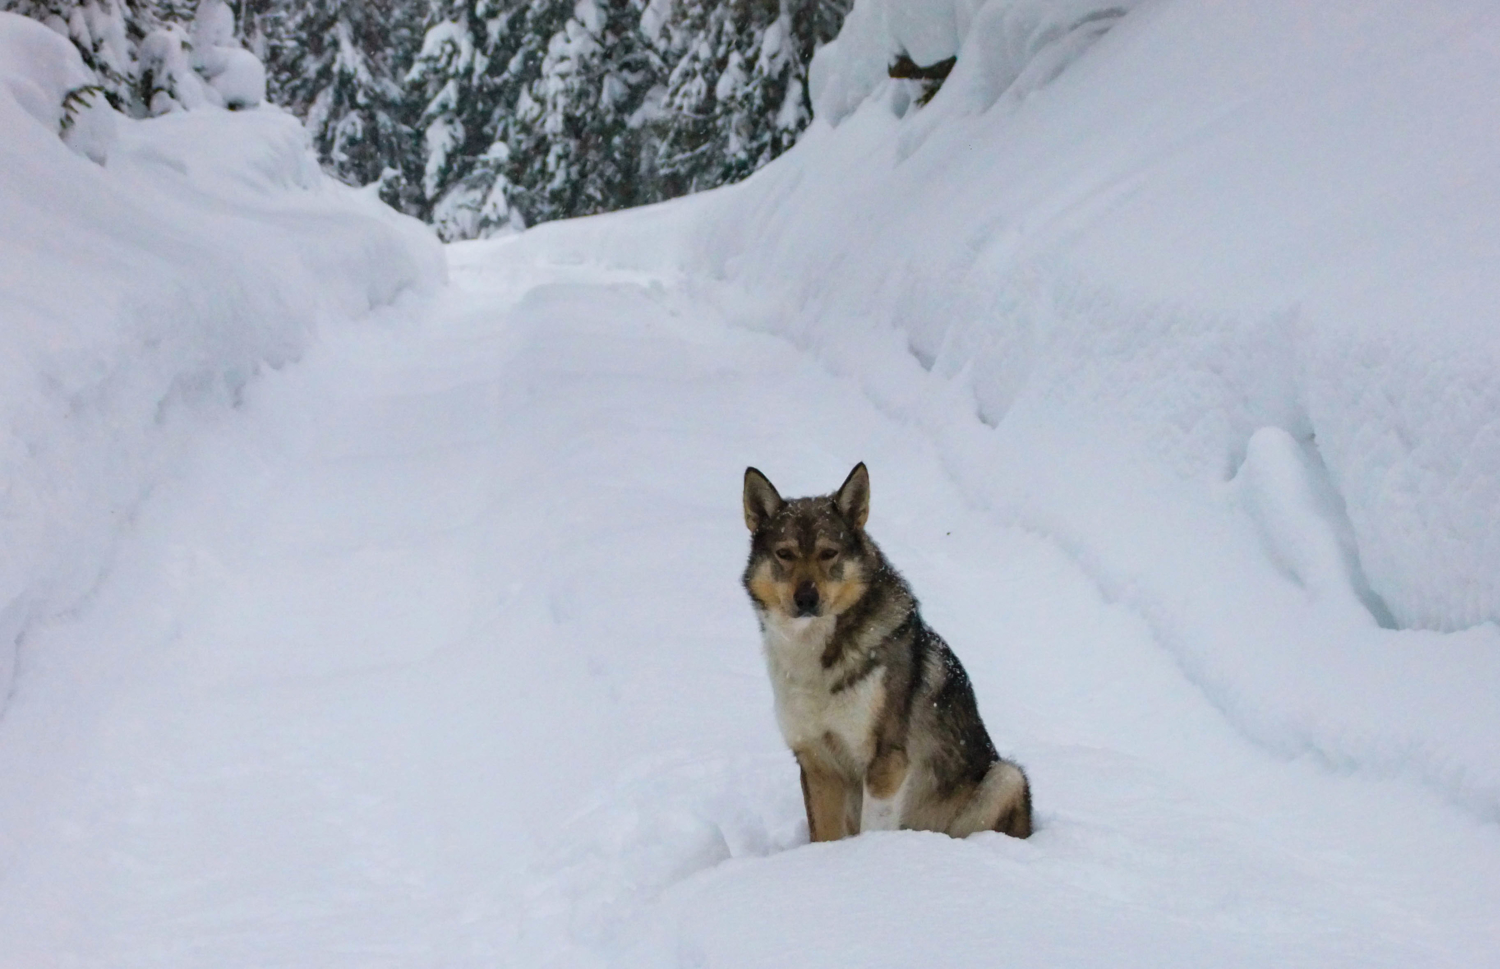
{"type": "Point", "coordinates": [1240, 279]}
{"type": "Point", "coordinates": [150, 273]}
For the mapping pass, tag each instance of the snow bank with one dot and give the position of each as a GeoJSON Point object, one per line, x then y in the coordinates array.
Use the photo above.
{"type": "Point", "coordinates": [996, 44]}
{"type": "Point", "coordinates": [148, 274]}
{"type": "Point", "coordinates": [1205, 294]}
{"type": "Point", "coordinates": [1300, 193]}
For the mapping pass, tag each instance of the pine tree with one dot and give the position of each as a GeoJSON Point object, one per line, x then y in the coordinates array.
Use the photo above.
{"type": "Point", "coordinates": [544, 109]}
{"type": "Point", "coordinates": [340, 66]}
{"type": "Point", "coordinates": [447, 79]}
{"type": "Point", "coordinates": [477, 61]}
{"type": "Point", "coordinates": [576, 139]}
{"type": "Point", "coordinates": [151, 56]}
{"type": "Point", "coordinates": [200, 65]}
{"type": "Point", "coordinates": [482, 115]}
{"type": "Point", "coordinates": [737, 96]}
{"type": "Point", "coordinates": [105, 33]}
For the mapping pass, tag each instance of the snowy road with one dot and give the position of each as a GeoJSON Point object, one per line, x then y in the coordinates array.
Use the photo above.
{"type": "Point", "coordinates": [436, 656]}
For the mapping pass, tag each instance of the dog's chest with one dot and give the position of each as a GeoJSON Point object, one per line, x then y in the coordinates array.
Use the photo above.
{"type": "Point", "coordinates": [809, 710]}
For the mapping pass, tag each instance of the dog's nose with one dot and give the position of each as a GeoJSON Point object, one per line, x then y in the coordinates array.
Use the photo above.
{"type": "Point", "coordinates": [806, 599]}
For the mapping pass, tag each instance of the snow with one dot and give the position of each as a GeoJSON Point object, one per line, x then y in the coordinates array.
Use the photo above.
{"type": "Point", "coordinates": [995, 42]}
{"type": "Point", "coordinates": [1213, 224]}
{"type": "Point", "coordinates": [146, 284]}
{"type": "Point", "coordinates": [203, 66]}
{"type": "Point", "coordinates": [38, 69]}
{"type": "Point", "coordinates": [239, 77]}
{"type": "Point", "coordinates": [213, 26]}
{"type": "Point", "coordinates": [435, 656]}
{"type": "Point", "coordinates": [1171, 366]}
{"type": "Point", "coordinates": [233, 73]}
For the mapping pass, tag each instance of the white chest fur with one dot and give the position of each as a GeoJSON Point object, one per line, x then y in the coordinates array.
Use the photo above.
{"type": "Point", "coordinates": [807, 708]}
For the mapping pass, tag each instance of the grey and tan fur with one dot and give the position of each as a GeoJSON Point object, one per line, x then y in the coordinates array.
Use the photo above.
{"type": "Point", "coordinates": [877, 709]}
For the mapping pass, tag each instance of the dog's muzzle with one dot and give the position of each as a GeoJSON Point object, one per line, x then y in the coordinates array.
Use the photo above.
{"type": "Point", "coordinates": [805, 598]}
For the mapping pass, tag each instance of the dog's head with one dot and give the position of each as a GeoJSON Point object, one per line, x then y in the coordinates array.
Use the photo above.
{"type": "Point", "coordinates": [809, 557]}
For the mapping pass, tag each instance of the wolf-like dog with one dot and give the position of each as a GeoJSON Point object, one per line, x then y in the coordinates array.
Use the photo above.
{"type": "Point", "coordinates": [874, 705]}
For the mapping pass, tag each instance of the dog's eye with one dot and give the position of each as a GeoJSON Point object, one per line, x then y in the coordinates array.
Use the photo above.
{"type": "Point", "coordinates": [828, 554]}
{"type": "Point", "coordinates": [785, 554]}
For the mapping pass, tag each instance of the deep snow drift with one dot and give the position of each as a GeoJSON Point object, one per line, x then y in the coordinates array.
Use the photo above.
{"type": "Point", "coordinates": [437, 657]}
{"type": "Point", "coordinates": [1232, 259]}
{"type": "Point", "coordinates": [148, 274]}
{"type": "Point", "coordinates": [1161, 332]}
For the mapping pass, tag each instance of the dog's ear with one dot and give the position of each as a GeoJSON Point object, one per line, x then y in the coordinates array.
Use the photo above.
{"type": "Point", "coordinates": [762, 501]}
{"type": "Point", "coordinates": [853, 498]}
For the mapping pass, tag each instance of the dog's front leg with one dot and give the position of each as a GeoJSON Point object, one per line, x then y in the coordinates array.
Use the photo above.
{"type": "Point", "coordinates": [812, 834]}
{"type": "Point", "coordinates": [885, 791]}
{"type": "Point", "coordinates": [824, 799]}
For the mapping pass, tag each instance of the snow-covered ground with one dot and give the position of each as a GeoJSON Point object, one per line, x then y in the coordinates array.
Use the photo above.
{"type": "Point", "coordinates": [1172, 370]}
{"type": "Point", "coordinates": [146, 275]}
{"type": "Point", "coordinates": [437, 657]}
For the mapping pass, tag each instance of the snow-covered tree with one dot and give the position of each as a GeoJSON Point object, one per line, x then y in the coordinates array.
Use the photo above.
{"type": "Point", "coordinates": [477, 60]}
{"type": "Point", "coordinates": [576, 139]}
{"type": "Point", "coordinates": [151, 56]}
{"type": "Point", "coordinates": [546, 109]}
{"type": "Point", "coordinates": [543, 109]}
{"type": "Point", "coordinates": [340, 65]}
{"type": "Point", "coordinates": [737, 94]}
{"type": "Point", "coordinates": [200, 66]}
{"type": "Point", "coordinates": [447, 79]}
{"type": "Point", "coordinates": [105, 33]}
{"type": "Point", "coordinates": [481, 115]}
